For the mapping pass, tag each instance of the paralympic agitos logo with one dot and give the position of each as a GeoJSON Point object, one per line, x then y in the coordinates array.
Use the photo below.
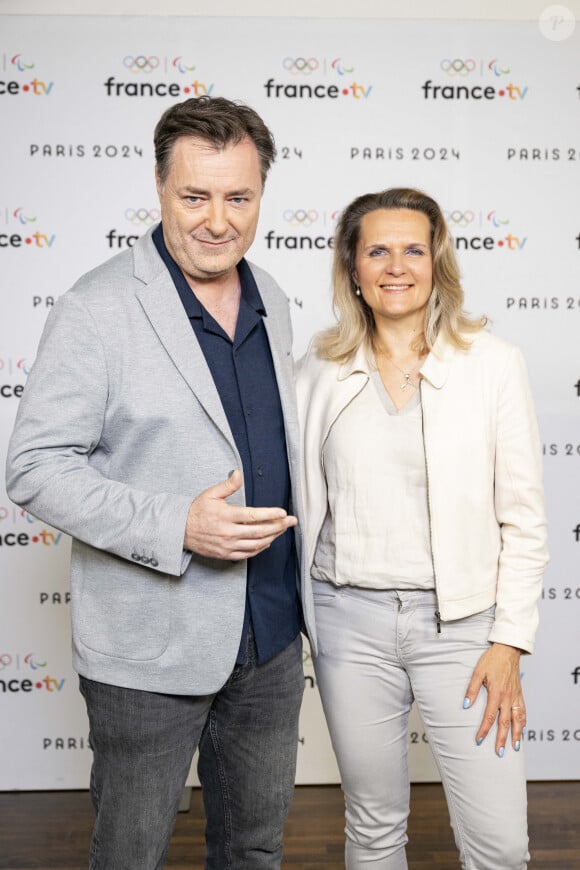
{"type": "Point", "coordinates": [474, 79]}
{"type": "Point", "coordinates": [145, 72]}
{"type": "Point", "coordinates": [318, 78]}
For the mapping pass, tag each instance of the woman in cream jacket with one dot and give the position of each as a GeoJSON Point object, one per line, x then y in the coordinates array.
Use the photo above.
{"type": "Point", "coordinates": [426, 536]}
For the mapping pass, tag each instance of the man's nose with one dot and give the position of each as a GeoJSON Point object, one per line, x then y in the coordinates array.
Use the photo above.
{"type": "Point", "coordinates": [216, 221]}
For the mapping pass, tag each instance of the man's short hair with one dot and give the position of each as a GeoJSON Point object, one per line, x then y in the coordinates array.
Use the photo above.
{"type": "Point", "coordinates": [220, 122]}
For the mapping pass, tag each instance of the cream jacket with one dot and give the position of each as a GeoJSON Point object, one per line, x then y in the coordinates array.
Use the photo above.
{"type": "Point", "coordinates": [484, 473]}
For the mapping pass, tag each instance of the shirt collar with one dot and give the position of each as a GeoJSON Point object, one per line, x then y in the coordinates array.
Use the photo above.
{"type": "Point", "coordinates": [193, 307]}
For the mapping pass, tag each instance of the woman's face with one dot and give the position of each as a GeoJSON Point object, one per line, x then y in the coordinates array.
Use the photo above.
{"type": "Point", "coordinates": [393, 264]}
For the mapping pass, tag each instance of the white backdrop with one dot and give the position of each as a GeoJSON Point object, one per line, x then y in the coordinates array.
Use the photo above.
{"type": "Point", "coordinates": [483, 115]}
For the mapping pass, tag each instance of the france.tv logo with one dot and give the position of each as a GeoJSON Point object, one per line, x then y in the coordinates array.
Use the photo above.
{"type": "Point", "coordinates": [488, 230]}
{"type": "Point", "coordinates": [27, 234]}
{"type": "Point", "coordinates": [462, 71]}
{"type": "Point", "coordinates": [31, 665]}
{"type": "Point", "coordinates": [142, 67]}
{"type": "Point", "coordinates": [304, 70]}
{"type": "Point", "coordinates": [21, 67]}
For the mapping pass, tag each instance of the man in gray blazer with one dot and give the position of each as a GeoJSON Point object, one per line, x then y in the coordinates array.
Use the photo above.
{"type": "Point", "coordinates": [159, 429]}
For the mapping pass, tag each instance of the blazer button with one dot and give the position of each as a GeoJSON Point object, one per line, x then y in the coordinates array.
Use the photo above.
{"type": "Point", "coordinates": [136, 557]}
{"type": "Point", "coordinates": [145, 560]}
{"type": "Point", "coordinates": [154, 563]}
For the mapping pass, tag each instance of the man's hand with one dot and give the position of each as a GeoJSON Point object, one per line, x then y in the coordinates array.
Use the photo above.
{"type": "Point", "coordinates": [223, 531]}
{"type": "Point", "coordinates": [499, 671]}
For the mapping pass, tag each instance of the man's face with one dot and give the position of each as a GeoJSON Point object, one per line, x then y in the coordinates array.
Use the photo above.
{"type": "Point", "coordinates": [210, 203]}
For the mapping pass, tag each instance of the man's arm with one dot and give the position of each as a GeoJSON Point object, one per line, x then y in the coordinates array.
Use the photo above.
{"type": "Point", "coordinates": [59, 425]}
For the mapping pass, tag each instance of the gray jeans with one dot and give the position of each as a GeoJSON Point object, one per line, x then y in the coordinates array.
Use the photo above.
{"type": "Point", "coordinates": [379, 652]}
{"type": "Point", "coordinates": [143, 745]}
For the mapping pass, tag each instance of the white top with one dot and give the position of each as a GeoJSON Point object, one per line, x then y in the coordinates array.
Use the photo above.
{"type": "Point", "coordinates": [376, 530]}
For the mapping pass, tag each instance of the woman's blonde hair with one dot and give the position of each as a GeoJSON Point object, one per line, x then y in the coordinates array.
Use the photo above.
{"type": "Point", "coordinates": [355, 323]}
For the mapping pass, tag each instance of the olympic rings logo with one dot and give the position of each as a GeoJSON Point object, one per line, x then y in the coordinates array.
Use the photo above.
{"type": "Point", "coordinates": [140, 63]}
{"type": "Point", "coordinates": [457, 67]}
{"type": "Point", "coordinates": [300, 217]}
{"type": "Point", "coordinates": [460, 218]}
{"type": "Point", "coordinates": [142, 215]}
{"type": "Point", "coordinates": [296, 65]}
{"type": "Point", "coordinates": [5, 660]}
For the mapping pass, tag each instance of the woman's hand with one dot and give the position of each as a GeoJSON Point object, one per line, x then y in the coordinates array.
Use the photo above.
{"type": "Point", "coordinates": [499, 671]}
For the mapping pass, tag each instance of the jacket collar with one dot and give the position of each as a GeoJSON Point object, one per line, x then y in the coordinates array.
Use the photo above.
{"type": "Point", "coordinates": [359, 363]}
{"type": "Point", "coordinates": [435, 369]}
{"type": "Point", "coordinates": [166, 314]}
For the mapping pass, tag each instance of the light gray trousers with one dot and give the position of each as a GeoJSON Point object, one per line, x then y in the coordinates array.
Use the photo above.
{"type": "Point", "coordinates": [378, 652]}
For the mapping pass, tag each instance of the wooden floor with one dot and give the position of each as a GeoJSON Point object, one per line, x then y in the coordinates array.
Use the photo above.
{"type": "Point", "coordinates": [50, 830]}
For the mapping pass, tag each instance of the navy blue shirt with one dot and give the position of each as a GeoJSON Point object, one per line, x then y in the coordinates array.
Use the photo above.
{"type": "Point", "coordinates": [243, 372]}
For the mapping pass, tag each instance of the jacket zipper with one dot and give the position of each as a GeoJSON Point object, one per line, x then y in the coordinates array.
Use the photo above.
{"type": "Point", "coordinates": [320, 521]}
{"type": "Point", "coordinates": [437, 612]}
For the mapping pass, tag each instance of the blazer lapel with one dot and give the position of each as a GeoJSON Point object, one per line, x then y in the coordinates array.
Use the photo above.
{"type": "Point", "coordinates": [163, 308]}
{"type": "Point", "coordinates": [278, 330]}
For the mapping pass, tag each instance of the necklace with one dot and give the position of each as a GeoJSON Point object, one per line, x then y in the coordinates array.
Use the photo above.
{"type": "Point", "coordinates": [407, 375]}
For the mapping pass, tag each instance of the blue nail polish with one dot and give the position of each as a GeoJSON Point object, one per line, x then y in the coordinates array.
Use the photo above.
{"type": "Point", "coordinates": [479, 741]}
{"type": "Point", "coordinates": [517, 746]}
{"type": "Point", "coordinates": [466, 703]}
{"type": "Point", "coordinates": [501, 752]}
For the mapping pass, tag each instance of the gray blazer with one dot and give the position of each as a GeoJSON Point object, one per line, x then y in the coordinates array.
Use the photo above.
{"type": "Point", "coordinates": [119, 428]}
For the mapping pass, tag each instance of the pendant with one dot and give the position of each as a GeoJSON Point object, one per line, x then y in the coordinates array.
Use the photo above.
{"type": "Point", "coordinates": [407, 381]}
